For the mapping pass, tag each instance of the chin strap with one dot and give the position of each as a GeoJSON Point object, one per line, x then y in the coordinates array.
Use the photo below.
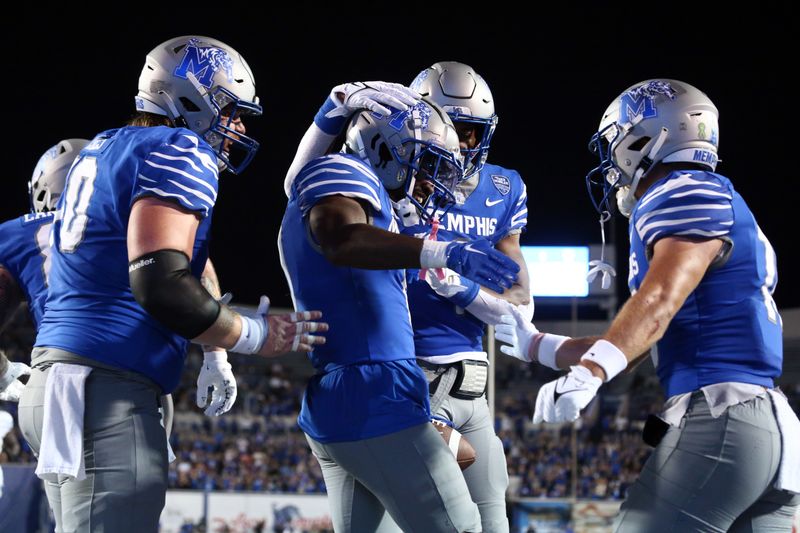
{"type": "Point", "coordinates": [599, 265]}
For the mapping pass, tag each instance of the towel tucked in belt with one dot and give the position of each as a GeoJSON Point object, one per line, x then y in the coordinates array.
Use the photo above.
{"type": "Point", "coordinates": [61, 450]}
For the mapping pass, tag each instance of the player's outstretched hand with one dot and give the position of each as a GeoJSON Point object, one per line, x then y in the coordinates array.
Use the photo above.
{"type": "Point", "coordinates": [292, 332]}
{"type": "Point", "coordinates": [377, 96]}
{"type": "Point", "coordinates": [479, 261]}
{"type": "Point", "coordinates": [562, 400]}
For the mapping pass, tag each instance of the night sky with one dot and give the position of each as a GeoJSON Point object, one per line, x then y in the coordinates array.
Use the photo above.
{"type": "Point", "coordinates": [551, 76]}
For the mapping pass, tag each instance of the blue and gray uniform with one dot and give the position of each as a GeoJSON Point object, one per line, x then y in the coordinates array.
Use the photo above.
{"type": "Point", "coordinates": [490, 205]}
{"type": "Point", "coordinates": [366, 411]}
{"type": "Point", "coordinates": [92, 319]}
{"type": "Point", "coordinates": [718, 356]}
{"type": "Point", "coordinates": [25, 254]}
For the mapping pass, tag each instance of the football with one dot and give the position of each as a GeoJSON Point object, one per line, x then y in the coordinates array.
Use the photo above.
{"type": "Point", "coordinates": [460, 446]}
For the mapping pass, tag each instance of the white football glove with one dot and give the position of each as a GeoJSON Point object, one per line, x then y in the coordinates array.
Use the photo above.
{"type": "Point", "coordinates": [562, 400]}
{"type": "Point", "coordinates": [517, 332]}
{"type": "Point", "coordinates": [376, 96]}
{"type": "Point", "coordinates": [10, 387]}
{"type": "Point", "coordinates": [449, 285]}
{"type": "Point", "coordinates": [216, 374]}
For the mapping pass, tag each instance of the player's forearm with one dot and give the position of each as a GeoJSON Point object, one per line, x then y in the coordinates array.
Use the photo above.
{"type": "Point", "coordinates": [570, 352]}
{"type": "Point", "coordinates": [224, 332]}
{"type": "Point", "coordinates": [643, 320]}
{"type": "Point", "coordinates": [368, 247]}
{"type": "Point", "coordinates": [210, 282]}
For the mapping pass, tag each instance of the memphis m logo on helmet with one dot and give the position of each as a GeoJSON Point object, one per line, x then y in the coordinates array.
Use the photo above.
{"type": "Point", "coordinates": [204, 62]}
{"type": "Point", "coordinates": [654, 121]}
{"type": "Point", "coordinates": [419, 143]}
{"type": "Point", "coordinates": [204, 85]}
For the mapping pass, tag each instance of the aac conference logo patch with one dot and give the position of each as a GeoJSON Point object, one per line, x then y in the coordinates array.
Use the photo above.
{"type": "Point", "coordinates": [501, 183]}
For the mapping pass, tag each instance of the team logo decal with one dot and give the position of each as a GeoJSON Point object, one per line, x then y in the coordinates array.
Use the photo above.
{"type": "Point", "coordinates": [639, 102]}
{"type": "Point", "coordinates": [204, 62]}
{"type": "Point", "coordinates": [420, 111]}
{"type": "Point", "coordinates": [421, 77]}
{"type": "Point", "coordinates": [501, 183]}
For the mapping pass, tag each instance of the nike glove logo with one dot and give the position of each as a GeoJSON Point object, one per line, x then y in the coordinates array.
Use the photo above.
{"type": "Point", "coordinates": [557, 395]}
{"type": "Point", "coordinates": [469, 248]}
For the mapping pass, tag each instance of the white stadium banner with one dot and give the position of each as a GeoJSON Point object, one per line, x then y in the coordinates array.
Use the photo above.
{"type": "Point", "coordinates": [243, 512]}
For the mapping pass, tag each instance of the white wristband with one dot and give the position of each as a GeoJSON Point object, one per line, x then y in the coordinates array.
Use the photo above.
{"type": "Point", "coordinates": [253, 335]}
{"type": "Point", "coordinates": [548, 346]}
{"type": "Point", "coordinates": [608, 356]}
{"type": "Point", "coordinates": [433, 254]}
{"type": "Point", "coordinates": [215, 356]}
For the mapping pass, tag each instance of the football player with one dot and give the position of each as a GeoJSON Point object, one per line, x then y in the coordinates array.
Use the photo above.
{"type": "Point", "coordinates": [701, 276]}
{"type": "Point", "coordinates": [448, 315]}
{"type": "Point", "coordinates": [25, 252]}
{"type": "Point", "coordinates": [125, 298]}
{"type": "Point", "coordinates": [366, 411]}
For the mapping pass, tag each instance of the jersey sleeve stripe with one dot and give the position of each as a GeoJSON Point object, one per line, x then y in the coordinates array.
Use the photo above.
{"type": "Point", "coordinates": [702, 232]}
{"type": "Point", "coordinates": [354, 183]}
{"type": "Point", "coordinates": [702, 192]}
{"type": "Point", "coordinates": [185, 174]}
{"type": "Point", "coordinates": [205, 159]}
{"type": "Point", "coordinates": [177, 158]}
{"type": "Point", "coordinates": [201, 196]}
{"type": "Point", "coordinates": [676, 183]}
{"type": "Point", "coordinates": [301, 182]}
{"type": "Point", "coordinates": [368, 172]}
{"type": "Point", "coordinates": [678, 209]}
{"type": "Point", "coordinates": [353, 194]}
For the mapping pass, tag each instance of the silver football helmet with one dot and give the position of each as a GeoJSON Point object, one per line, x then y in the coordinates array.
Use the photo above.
{"type": "Point", "coordinates": [419, 143]}
{"type": "Point", "coordinates": [204, 85]}
{"type": "Point", "coordinates": [466, 97]}
{"type": "Point", "coordinates": [654, 121]}
{"type": "Point", "coordinates": [50, 175]}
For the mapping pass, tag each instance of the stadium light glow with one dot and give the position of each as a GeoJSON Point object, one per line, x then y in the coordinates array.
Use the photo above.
{"type": "Point", "coordinates": [557, 271]}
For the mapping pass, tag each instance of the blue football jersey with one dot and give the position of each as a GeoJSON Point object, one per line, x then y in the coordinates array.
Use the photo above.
{"type": "Point", "coordinates": [90, 309]}
{"type": "Point", "coordinates": [368, 383]}
{"type": "Point", "coordinates": [729, 328]}
{"type": "Point", "coordinates": [25, 253]}
{"type": "Point", "coordinates": [495, 209]}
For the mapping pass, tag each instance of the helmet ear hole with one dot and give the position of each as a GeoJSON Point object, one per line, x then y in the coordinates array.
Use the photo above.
{"type": "Point", "coordinates": [639, 144]}
{"type": "Point", "coordinates": [189, 105]}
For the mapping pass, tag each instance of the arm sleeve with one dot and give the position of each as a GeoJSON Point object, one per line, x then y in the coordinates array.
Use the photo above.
{"type": "Point", "coordinates": [690, 205]}
{"type": "Point", "coordinates": [183, 169]}
{"type": "Point", "coordinates": [337, 175]}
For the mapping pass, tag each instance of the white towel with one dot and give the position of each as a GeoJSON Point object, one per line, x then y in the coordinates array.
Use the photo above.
{"type": "Point", "coordinates": [788, 477]}
{"type": "Point", "coordinates": [61, 450]}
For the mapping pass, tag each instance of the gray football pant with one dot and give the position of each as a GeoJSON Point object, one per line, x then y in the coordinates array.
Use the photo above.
{"type": "Point", "coordinates": [125, 455]}
{"type": "Point", "coordinates": [712, 474]}
{"type": "Point", "coordinates": [408, 479]}
{"type": "Point", "coordinates": [487, 478]}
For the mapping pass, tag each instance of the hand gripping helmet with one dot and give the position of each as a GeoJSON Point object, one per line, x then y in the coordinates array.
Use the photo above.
{"type": "Point", "coordinates": [419, 143]}
{"type": "Point", "coordinates": [50, 175]}
{"type": "Point", "coordinates": [466, 97]}
{"type": "Point", "coordinates": [202, 84]}
{"type": "Point", "coordinates": [655, 121]}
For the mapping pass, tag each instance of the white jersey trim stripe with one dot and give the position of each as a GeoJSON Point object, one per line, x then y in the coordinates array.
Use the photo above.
{"type": "Point", "coordinates": [178, 158]}
{"type": "Point", "coordinates": [198, 194]}
{"type": "Point", "coordinates": [353, 194]}
{"type": "Point", "coordinates": [205, 159]}
{"type": "Point", "coordinates": [641, 222]}
{"type": "Point", "coordinates": [184, 174]}
{"type": "Point", "coordinates": [341, 182]}
{"type": "Point", "coordinates": [681, 181]}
